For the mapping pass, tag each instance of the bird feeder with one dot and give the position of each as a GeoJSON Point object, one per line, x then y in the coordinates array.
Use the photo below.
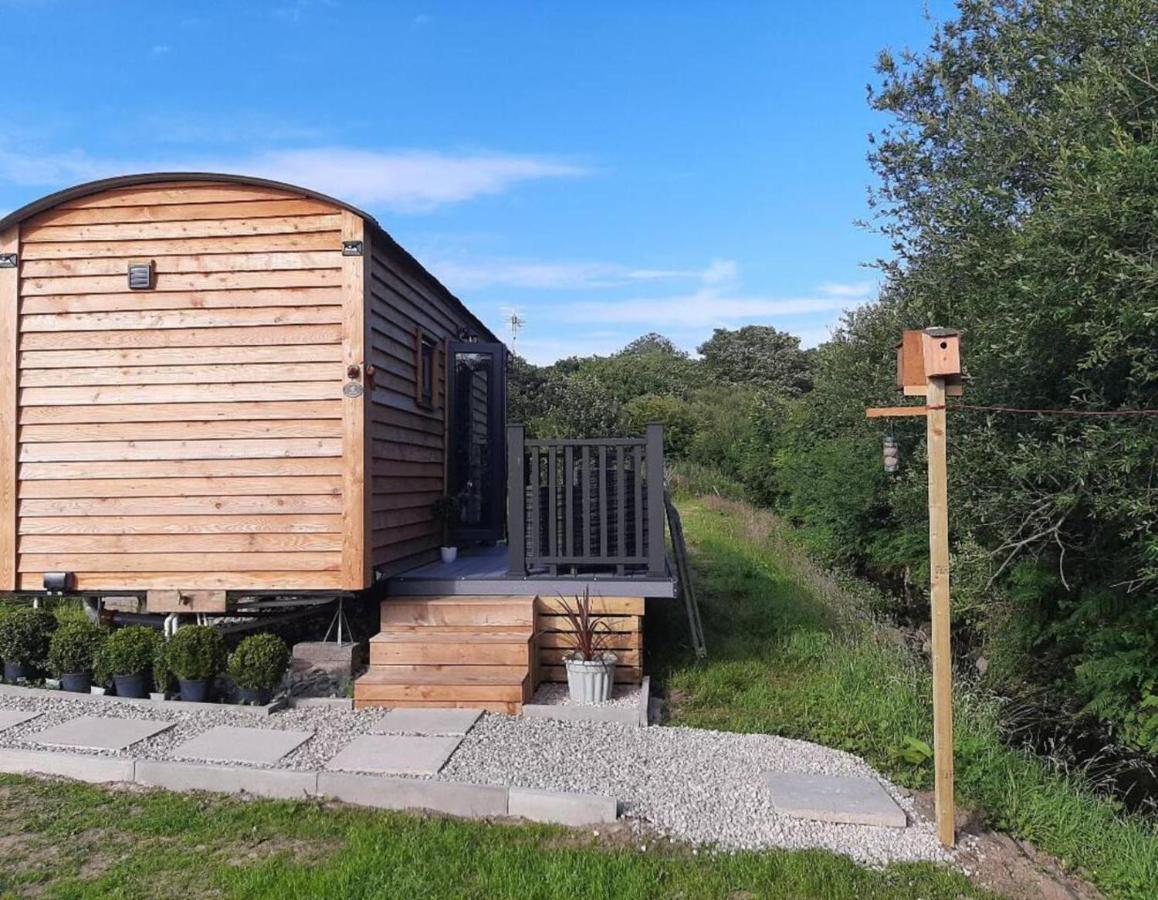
{"type": "Point", "coordinates": [891, 455]}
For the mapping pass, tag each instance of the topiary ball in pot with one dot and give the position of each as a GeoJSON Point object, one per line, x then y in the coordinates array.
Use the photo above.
{"type": "Point", "coordinates": [196, 655]}
{"type": "Point", "coordinates": [128, 657]}
{"type": "Point", "coordinates": [257, 667]}
{"type": "Point", "coordinates": [73, 652]}
{"type": "Point", "coordinates": [24, 637]}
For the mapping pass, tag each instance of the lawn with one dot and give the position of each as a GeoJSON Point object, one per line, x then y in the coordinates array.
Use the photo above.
{"type": "Point", "coordinates": [69, 840]}
{"type": "Point", "coordinates": [794, 652]}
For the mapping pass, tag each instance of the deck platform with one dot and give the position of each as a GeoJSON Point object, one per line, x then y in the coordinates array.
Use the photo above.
{"type": "Point", "coordinates": [485, 572]}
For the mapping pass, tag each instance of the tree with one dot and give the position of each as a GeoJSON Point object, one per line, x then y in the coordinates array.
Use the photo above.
{"type": "Point", "coordinates": [759, 355]}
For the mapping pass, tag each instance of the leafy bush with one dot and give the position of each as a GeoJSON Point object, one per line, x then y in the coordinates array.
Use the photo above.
{"type": "Point", "coordinates": [195, 653]}
{"type": "Point", "coordinates": [259, 662]}
{"type": "Point", "coordinates": [24, 636]}
{"type": "Point", "coordinates": [129, 651]}
{"type": "Point", "coordinates": [74, 647]}
{"type": "Point", "coordinates": [162, 677]}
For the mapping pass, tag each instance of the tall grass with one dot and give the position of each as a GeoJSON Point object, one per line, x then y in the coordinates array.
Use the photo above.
{"type": "Point", "coordinates": [795, 651]}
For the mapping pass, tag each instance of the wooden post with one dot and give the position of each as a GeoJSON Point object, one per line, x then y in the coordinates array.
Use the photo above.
{"type": "Point", "coordinates": [656, 547]}
{"type": "Point", "coordinates": [516, 501]}
{"type": "Point", "coordinates": [929, 364]}
{"type": "Point", "coordinates": [939, 596]}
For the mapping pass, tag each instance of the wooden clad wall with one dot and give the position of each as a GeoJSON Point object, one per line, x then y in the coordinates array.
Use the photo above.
{"type": "Point", "coordinates": [408, 440]}
{"type": "Point", "coordinates": [190, 436]}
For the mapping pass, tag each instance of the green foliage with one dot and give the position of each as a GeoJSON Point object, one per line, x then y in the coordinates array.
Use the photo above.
{"type": "Point", "coordinates": [25, 634]}
{"type": "Point", "coordinates": [759, 355]}
{"type": "Point", "coordinates": [196, 653]}
{"type": "Point", "coordinates": [259, 662]}
{"type": "Point", "coordinates": [75, 646]}
{"type": "Point", "coordinates": [129, 651]}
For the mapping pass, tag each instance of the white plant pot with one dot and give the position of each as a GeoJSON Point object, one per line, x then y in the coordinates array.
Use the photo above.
{"type": "Point", "coordinates": [590, 681]}
{"type": "Point", "coordinates": [99, 691]}
{"type": "Point", "coordinates": [449, 554]}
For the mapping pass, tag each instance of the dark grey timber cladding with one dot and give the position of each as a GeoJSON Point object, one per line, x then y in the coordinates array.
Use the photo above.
{"type": "Point", "coordinates": [407, 464]}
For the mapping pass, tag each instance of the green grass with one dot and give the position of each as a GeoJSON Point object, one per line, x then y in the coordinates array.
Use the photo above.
{"type": "Point", "coordinates": [792, 652]}
{"type": "Point", "coordinates": [74, 841]}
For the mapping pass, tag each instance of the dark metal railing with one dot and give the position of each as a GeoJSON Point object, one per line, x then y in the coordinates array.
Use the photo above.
{"type": "Point", "coordinates": [586, 506]}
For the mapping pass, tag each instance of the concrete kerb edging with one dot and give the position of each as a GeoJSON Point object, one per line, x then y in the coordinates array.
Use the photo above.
{"type": "Point", "coordinates": [381, 792]}
{"type": "Point", "coordinates": [323, 702]}
{"type": "Point", "coordinates": [13, 690]}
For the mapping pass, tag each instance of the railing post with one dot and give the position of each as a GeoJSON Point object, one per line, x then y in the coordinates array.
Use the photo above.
{"type": "Point", "coordinates": [516, 501]}
{"type": "Point", "coordinates": [656, 547]}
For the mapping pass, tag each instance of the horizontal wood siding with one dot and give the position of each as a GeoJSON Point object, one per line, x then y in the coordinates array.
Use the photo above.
{"type": "Point", "coordinates": [408, 440]}
{"type": "Point", "coordinates": [190, 436]}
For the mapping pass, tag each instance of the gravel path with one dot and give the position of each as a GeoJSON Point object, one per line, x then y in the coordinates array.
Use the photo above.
{"type": "Point", "coordinates": [705, 787]}
{"type": "Point", "coordinates": [622, 695]}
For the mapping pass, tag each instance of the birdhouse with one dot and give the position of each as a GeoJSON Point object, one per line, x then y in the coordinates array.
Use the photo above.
{"type": "Point", "coordinates": [928, 353]}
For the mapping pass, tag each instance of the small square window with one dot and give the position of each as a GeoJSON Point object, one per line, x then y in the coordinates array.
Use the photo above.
{"type": "Point", "coordinates": [427, 355]}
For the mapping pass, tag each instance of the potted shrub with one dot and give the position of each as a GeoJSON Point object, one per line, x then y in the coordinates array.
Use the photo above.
{"type": "Point", "coordinates": [447, 512]}
{"type": "Point", "coordinates": [196, 655]}
{"type": "Point", "coordinates": [163, 683]}
{"type": "Point", "coordinates": [73, 652]}
{"type": "Point", "coordinates": [257, 667]}
{"type": "Point", "coordinates": [590, 668]}
{"type": "Point", "coordinates": [128, 658]}
{"type": "Point", "coordinates": [24, 637]}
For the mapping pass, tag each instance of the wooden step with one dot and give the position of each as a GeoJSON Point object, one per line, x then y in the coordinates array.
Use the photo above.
{"type": "Point", "coordinates": [437, 634]}
{"type": "Point", "coordinates": [507, 611]}
{"type": "Point", "coordinates": [515, 673]}
{"type": "Point", "coordinates": [445, 686]}
{"type": "Point", "coordinates": [508, 709]}
{"type": "Point", "coordinates": [387, 648]}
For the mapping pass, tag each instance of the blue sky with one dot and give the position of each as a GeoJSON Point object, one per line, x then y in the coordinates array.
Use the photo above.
{"type": "Point", "coordinates": [607, 169]}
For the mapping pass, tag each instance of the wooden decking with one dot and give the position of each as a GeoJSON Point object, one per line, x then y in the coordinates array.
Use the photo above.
{"type": "Point", "coordinates": [485, 651]}
{"type": "Point", "coordinates": [486, 571]}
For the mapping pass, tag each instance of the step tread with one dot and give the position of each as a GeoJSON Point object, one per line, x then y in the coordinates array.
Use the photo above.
{"type": "Point", "coordinates": [433, 634]}
{"type": "Point", "coordinates": [375, 675]}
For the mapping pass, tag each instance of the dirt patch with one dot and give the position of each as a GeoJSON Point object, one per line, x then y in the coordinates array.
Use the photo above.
{"type": "Point", "coordinates": [1007, 866]}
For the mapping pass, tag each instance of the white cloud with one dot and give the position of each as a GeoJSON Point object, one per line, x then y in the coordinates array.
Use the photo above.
{"type": "Point", "coordinates": [854, 291]}
{"type": "Point", "coordinates": [473, 275]}
{"type": "Point", "coordinates": [716, 304]}
{"type": "Point", "coordinates": [406, 180]}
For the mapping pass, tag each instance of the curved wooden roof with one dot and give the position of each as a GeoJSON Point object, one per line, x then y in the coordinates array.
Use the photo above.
{"type": "Point", "coordinates": [380, 235]}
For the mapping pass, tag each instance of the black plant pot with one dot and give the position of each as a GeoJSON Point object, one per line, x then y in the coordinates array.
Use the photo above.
{"type": "Point", "coordinates": [76, 682]}
{"type": "Point", "coordinates": [132, 685]}
{"type": "Point", "coordinates": [256, 696]}
{"type": "Point", "coordinates": [14, 672]}
{"type": "Point", "coordinates": [195, 691]}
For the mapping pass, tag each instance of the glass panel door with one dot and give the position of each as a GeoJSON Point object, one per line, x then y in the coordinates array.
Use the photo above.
{"type": "Point", "coordinates": [477, 463]}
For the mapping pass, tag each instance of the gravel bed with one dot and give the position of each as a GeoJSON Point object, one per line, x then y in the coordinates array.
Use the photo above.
{"type": "Point", "coordinates": [622, 695]}
{"type": "Point", "coordinates": [704, 787]}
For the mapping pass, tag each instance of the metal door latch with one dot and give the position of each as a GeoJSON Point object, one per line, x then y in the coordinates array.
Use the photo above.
{"type": "Point", "coordinates": [8, 260]}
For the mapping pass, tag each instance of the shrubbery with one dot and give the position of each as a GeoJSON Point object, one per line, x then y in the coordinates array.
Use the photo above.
{"type": "Point", "coordinates": [195, 653]}
{"type": "Point", "coordinates": [75, 647]}
{"type": "Point", "coordinates": [25, 634]}
{"type": "Point", "coordinates": [259, 662]}
{"type": "Point", "coordinates": [128, 651]}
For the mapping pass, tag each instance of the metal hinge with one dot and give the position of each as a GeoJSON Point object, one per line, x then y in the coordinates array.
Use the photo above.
{"type": "Point", "coordinates": [351, 248]}
{"type": "Point", "coordinates": [8, 260]}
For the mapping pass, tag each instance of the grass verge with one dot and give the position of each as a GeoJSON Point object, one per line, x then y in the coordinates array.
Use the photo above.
{"type": "Point", "coordinates": [793, 652]}
{"type": "Point", "coordinates": [68, 840]}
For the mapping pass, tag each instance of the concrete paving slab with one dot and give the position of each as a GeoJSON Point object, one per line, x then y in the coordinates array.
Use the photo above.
{"type": "Point", "coordinates": [426, 721]}
{"type": "Point", "coordinates": [452, 798]}
{"type": "Point", "coordinates": [390, 754]}
{"type": "Point", "coordinates": [561, 808]}
{"type": "Point", "coordinates": [831, 798]}
{"type": "Point", "coordinates": [229, 743]}
{"type": "Point", "coordinates": [100, 733]}
{"type": "Point", "coordinates": [10, 718]}
{"type": "Point", "coordinates": [180, 776]}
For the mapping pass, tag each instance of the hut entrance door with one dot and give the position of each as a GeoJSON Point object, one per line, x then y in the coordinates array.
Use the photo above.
{"type": "Point", "coordinates": [477, 465]}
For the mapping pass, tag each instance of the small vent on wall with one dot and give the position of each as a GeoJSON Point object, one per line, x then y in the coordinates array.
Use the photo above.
{"type": "Point", "coordinates": [142, 275]}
